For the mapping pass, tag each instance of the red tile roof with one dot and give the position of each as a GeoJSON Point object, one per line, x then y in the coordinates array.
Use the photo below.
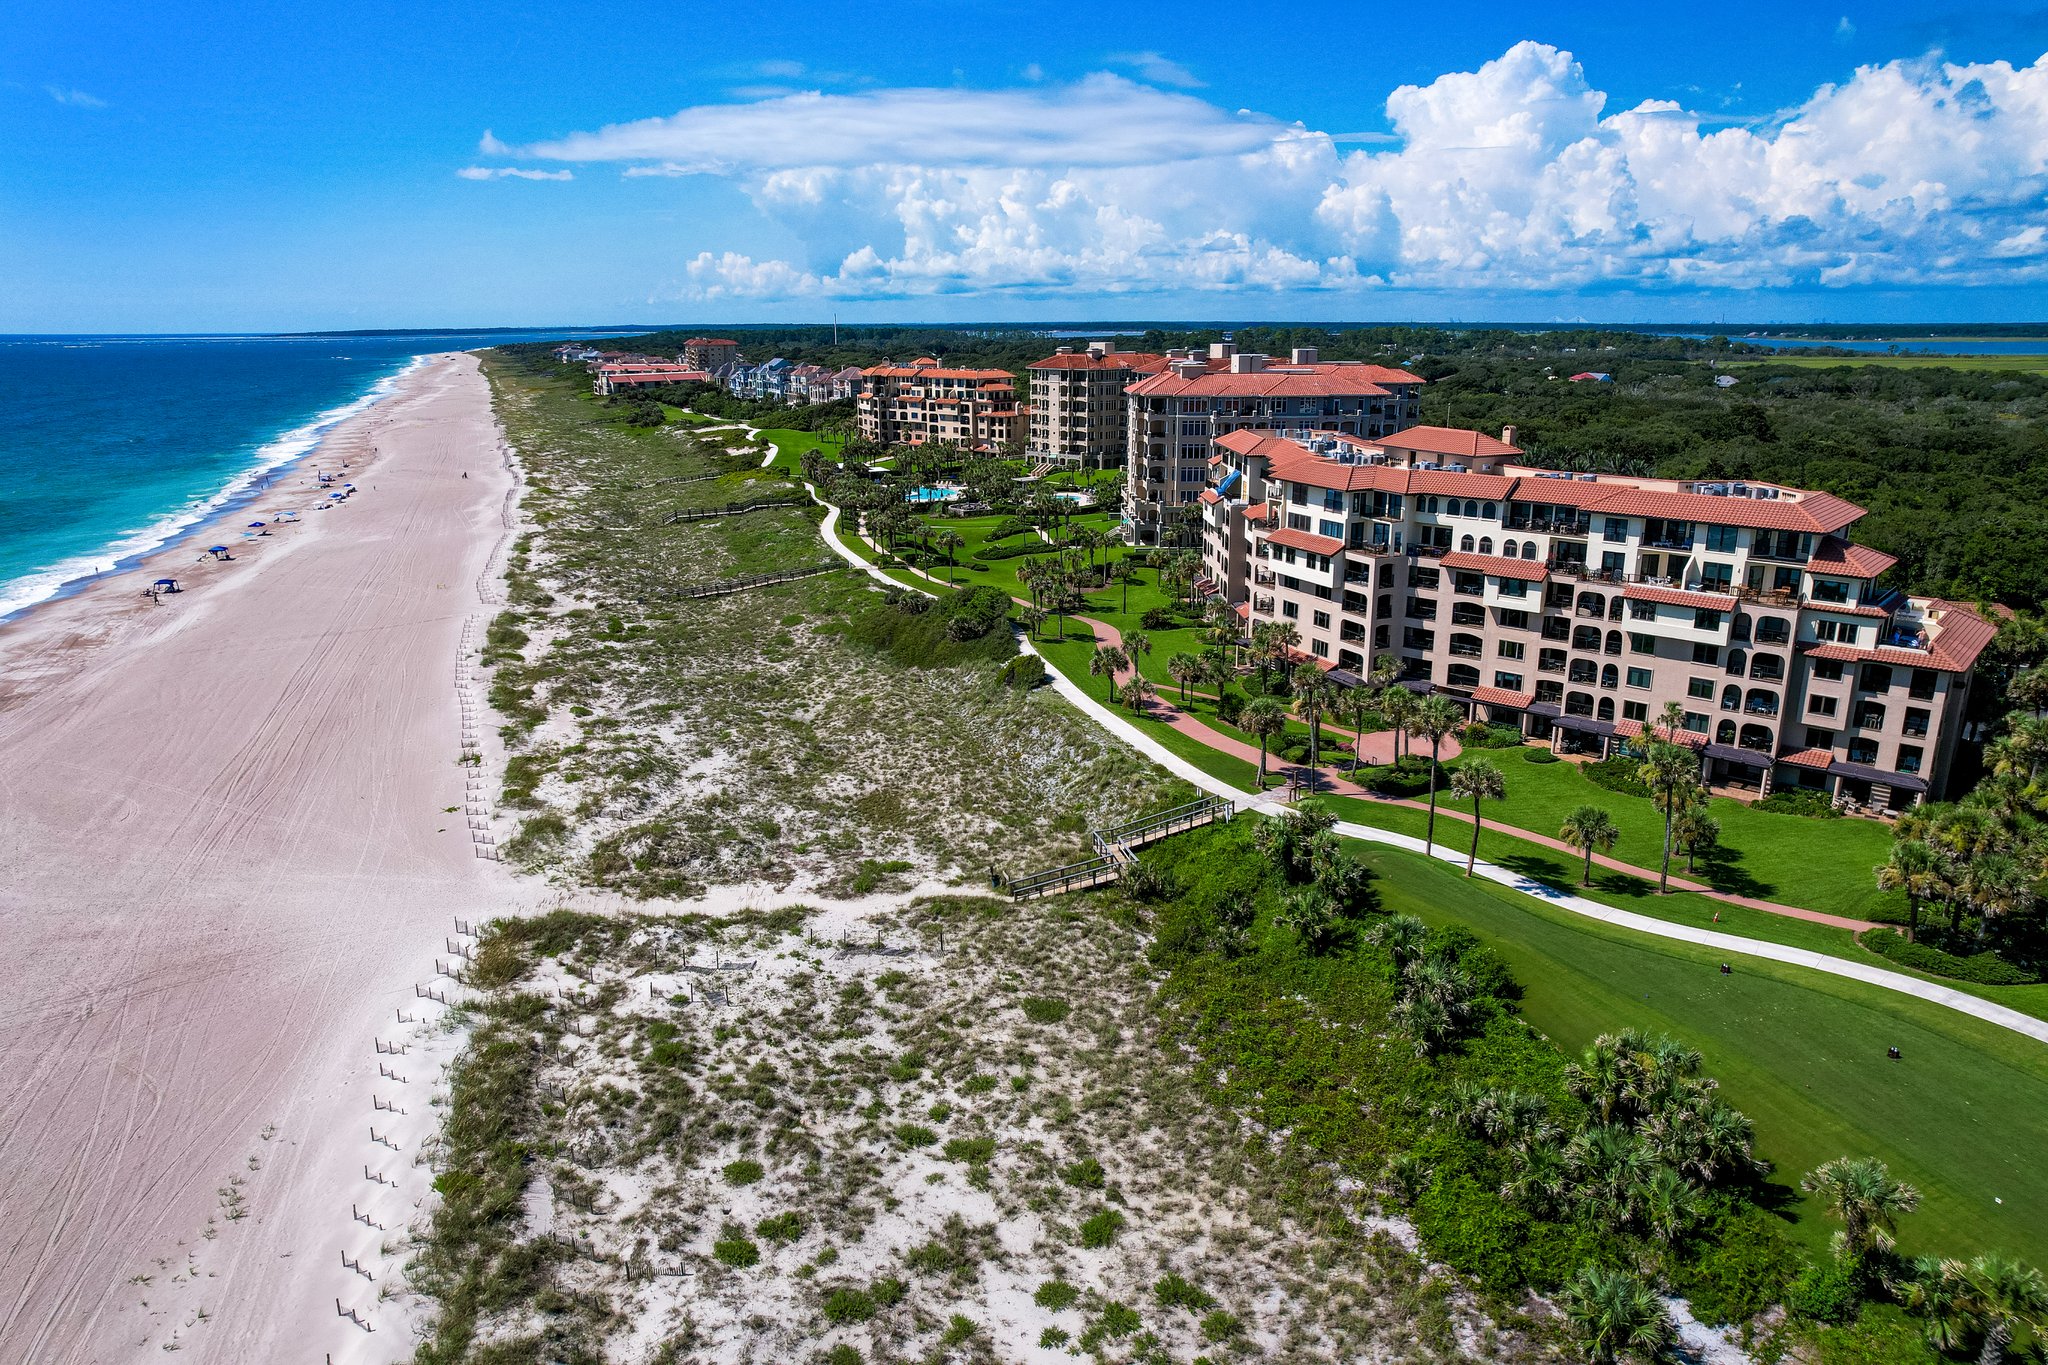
{"type": "Point", "coordinates": [1809, 758]}
{"type": "Point", "coordinates": [1143, 362]}
{"type": "Point", "coordinates": [1500, 696]}
{"type": "Point", "coordinates": [710, 341]}
{"type": "Point", "coordinates": [1343, 378]}
{"type": "Point", "coordinates": [1839, 556]}
{"type": "Point", "coordinates": [1528, 570]}
{"type": "Point", "coordinates": [1258, 512]}
{"type": "Point", "coordinates": [1303, 540]}
{"type": "Point", "coordinates": [1959, 636]}
{"type": "Point", "coordinates": [1678, 597]}
{"type": "Point", "coordinates": [1211, 496]}
{"type": "Point", "coordinates": [1455, 442]}
{"type": "Point", "coordinates": [1629, 729]}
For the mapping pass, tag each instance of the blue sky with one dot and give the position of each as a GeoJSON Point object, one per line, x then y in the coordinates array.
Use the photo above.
{"type": "Point", "coordinates": [175, 167]}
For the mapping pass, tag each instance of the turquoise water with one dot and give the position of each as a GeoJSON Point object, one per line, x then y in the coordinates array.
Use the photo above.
{"type": "Point", "coordinates": [113, 446]}
{"type": "Point", "coordinates": [931, 495]}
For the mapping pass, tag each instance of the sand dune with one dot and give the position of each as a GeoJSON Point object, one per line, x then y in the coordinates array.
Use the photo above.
{"type": "Point", "coordinates": [228, 860]}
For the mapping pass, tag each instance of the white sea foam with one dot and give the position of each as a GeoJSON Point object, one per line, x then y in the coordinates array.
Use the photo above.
{"type": "Point", "coordinates": [26, 591]}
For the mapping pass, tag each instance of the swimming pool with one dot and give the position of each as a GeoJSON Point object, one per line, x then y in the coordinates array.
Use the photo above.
{"type": "Point", "coordinates": [931, 495]}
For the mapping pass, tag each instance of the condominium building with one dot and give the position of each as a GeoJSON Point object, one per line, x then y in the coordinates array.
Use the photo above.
{"type": "Point", "coordinates": [1176, 414]}
{"type": "Point", "coordinates": [610, 379]}
{"type": "Point", "coordinates": [1077, 405]}
{"type": "Point", "coordinates": [710, 353]}
{"type": "Point", "coordinates": [1576, 606]}
{"type": "Point", "coordinates": [925, 401]}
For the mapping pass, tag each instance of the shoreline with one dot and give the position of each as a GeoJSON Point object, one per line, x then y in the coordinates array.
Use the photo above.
{"type": "Point", "coordinates": [232, 868]}
{"type": "Point", "coordinates": [175, 528]}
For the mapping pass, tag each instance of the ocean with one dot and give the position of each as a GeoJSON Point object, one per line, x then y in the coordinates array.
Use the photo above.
{"type": "Point", "coordinates": [111, 447]}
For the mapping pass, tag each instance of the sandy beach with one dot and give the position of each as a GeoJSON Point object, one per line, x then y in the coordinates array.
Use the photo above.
{"type": "Point", "coordinates": [233, 832]}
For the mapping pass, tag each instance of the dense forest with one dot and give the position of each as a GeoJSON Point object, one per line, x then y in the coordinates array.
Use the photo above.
{"type": "Point", "coordinates": [1951, 463]}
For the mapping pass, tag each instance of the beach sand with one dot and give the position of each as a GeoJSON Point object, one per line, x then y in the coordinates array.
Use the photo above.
{"type": "Point", "coordinates": [229, 858]}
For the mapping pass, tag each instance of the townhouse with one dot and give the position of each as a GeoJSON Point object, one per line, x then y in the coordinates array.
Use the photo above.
{"type": "Point", "coordinates": [1576, 606]}
{"type": "Point", "coordinates": [1078, 415]}
{"type": "Point", "coordinates": [1175, 415]}
{"type": "Point", "coordinates": [925, 401]}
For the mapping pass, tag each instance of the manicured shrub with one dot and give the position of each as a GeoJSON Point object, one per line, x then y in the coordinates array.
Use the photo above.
{"type": "Point", "coordinates": [1158, 618]}
{"type": "Point", "coordinates": [1480, 735]}
{"type": "Point", "coordinates": [1229, 705]}
{"type": "Point", "coordinates": [1617, 774]}
{"type": "Point", "coordinates": [1983, 969]}
{"type": "Point", "coordinates": [1799, 801]}
{"type": "Point", "coordinates": [1539, 756]}
{"type": "Point", "coordinates": [1021, 548]}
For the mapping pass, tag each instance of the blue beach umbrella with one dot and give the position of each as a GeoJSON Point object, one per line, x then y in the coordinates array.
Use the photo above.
{"type": "Point", "coordinates": [254, 524]}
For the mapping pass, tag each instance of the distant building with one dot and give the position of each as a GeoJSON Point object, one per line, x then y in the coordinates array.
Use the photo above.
{"type": "Point", "coordinates": [808, 384]}
{"type": "Point", "coordinates": [925, 401]}
{"type": "Point", "coordinates": [1174, 416]}
{"type": "Point", "coordinates": [1077, 405]}
{"type": "Point", "coordinates": [574, 353]}
{"type": "Point", "coordinates": [611, 378]}
{"type": "Point", "coordinates": [710, 353]}
{"type": "Point", "coordinates": [1592, 377]}
{"type": "Point", "coordinates": [1576, 607]}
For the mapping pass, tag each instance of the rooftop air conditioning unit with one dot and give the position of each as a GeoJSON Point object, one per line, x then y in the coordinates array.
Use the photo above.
{"type": "Point", "coordinates": [1457, 469]}
{"type": "Point", "coordinates": [1589, 478]}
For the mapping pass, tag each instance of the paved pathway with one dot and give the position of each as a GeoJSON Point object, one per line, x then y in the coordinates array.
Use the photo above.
{"type": "Point", "coordinates": [1122, 728]}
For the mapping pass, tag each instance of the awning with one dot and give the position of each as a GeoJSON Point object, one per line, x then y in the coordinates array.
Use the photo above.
{"type": "Point", "coordinates": [1900, 781]}
{"type": "Point", "coordinates": [1728, 753]}
{"type": "Point", "coordinates": [1585, 725]}
{"type": "Point", "coordinates": [1545, 708]}
{"type": "Point", "coordinates": [1344, 677]}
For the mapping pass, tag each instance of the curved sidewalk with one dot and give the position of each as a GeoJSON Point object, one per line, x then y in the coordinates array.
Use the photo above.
{"type": "Point", "coordinates": [1122, 728]}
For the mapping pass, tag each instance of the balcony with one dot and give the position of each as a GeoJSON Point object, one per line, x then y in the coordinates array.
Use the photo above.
{"type": "Point", "coordinates": [1761, 708]}
{"type": "Point", "coordinates": [1262, 576]}
{"type": "Point", "coordinates": [1915, 732]}
{"type": "Point", "coordinates": [1467, 651]}
{"type": "Point", "coordinates": [1551, 666]}
{"type": "Point", "coordinates": [1263, 605]}
{"type": "Point", "coordinates": [1465, 589]}
{"type": "Point", "coordinates": [1351, 632]}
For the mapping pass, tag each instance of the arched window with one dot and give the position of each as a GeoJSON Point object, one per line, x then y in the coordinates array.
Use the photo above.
{"type": "Point", "coordinates": [1606, 711]}
{"type": "Point", "coordinates": [1610, 677]}
{"type": "Point", "coordinates": [1578, 703]}
{"type": "Point", "coordinates": [1507, 549]}
{"type": "Point", "coordinates": [1731, 698]}
{"type": "Point", "coordinates": [1462, 675]}
{"type": "Point", "coordinates": [1740, 633]}
{"type": "Point", "coordinates": [1471, 507]}
{"type": "Point", "coordinates": [1767, 668]}
{"type": "Point", "coordinates": [1725, 732]}
{"type": "Point", "coordinates": [1465, 544]}
{"type": "Point", "coordinates": [1738, 662]}
{"type": "Point", "coordinates": [1486, 545]}
{"type": "Point", "coordinates": [1613, 642]}
{"type": "Point", "coordinates": [1760, 702]}
{"type": "Point", "coordinates": [1528, 549]}
{"type": "Point", "coordinates": [1487, 511]}
{"type": "Point", "coordinates": [1592, 604]}
{"type": "Point", "coordinates": [1586, 637]}
{"type": "Point", "coordinates": [1757, 737]}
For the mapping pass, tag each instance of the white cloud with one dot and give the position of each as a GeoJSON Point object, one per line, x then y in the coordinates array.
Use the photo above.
{"type": "Point", "coordinates": [77, 99]}
{"type": "Point", "coordinates": [1515, 176]}
{"type": "Point", "coordinates": [512, 173]}
{"type": "Point", "coordinates": [1158, 68]}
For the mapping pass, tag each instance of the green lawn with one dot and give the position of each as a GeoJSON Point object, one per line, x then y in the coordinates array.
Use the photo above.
{"type": "Point", "coordinates": [1961, 1116]}
{"type": "Point", "coordinates": [2024, 364]}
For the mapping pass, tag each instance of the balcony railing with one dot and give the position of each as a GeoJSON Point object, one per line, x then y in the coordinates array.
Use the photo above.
{"type": "Point", "coordinates": [1469, 589]}
{"type": "Point", "coordinates": [1466, 651]}
{"type": "Point", "coordinates": [1558, 667]}
{"type": "Point", "coordinates": [1761, 708]}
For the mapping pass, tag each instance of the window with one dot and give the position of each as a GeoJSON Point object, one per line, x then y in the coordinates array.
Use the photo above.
{"type": "Point", "coordinates": [1700, 688]}
{"type": "Point", "coordinates": [1841, 632]}
{"type": "Point", "coordinates": [1909, 758]}
{"type": "Point", "coordinates": [1606, 709]}
{"type": "Point", "coordinates": [1817, 705]}
{"type": "Point", "coordinates": [1696, 722]}
{"type": "Point", "coordinates": [1869, 716]}
{"type": "Point", "coordinates": [1916, 723]}
{"type": "Point", "coordinates": [1528, 549]}
{"type": "Point", "coordinates": [1507, 549]}
{"type": "Point", "coordinates": [1923, 685]}
{"type": "Point", "coordinates": [1333, 501]}
{"type": "Point", "coordinates": [1721, 539]}
{"type": "Point", "coordinates": [1876, 678]}
{"type": "Point", "coordinates": [1512, 649]}
{"type": "Point", "coordinates": [1320, 648]}
{"type": "Point", "coordinates": [1635, 710]}
{"type": "Point", "coordinates": [1714, 574]}
{"type": "Point", "coordinates": [1828, 670]}
{"type": "Point", "coordinates": [1297, 521]}
{"type": "Point", "coordinates": [1420, 640]}
{"type": "Point", "coordinates": [1467, 614]}
{"type": "Point", "coordinates": [1642, 611]}
{"type": "Point", "coordinates": [1465, 544]}
{"type": "Point", "coordinates": [1610, 677]}
{"type": "Point", "coordinates": [1292, 610]}
{"type": "Point", "coordinates": [1322, 620]}
{"type": "Point", "coordinates": [1706, 618]}
{"type": "Point", "coordinates": [1706, 654]}
{"type": "Point", "coordinates": [1511, 681]}
{"type": "Point", "coordinates": [1731, 698]}
{"type": "Point", "coordinates": [1513, 619]}
{"type": "Point", "coordinates": [1819, 739]}
{"type": "Point", "coordinates": [1615, 531]}
{"type": "Point", "coordinates": [1863, 751]}
{"type": "Point", "coordinates": [1513, 587]}
{"type": "Point", "coordinates": [1487, 512]}
{"type": "Point", "coordinates": [1461, 675]}
{"type": "Point", "coordinates": [1640, 643]}
{"type": "Point", "coordinates": [1639, 677]}
{"type": "Point", "coordinates": [1333, 529]}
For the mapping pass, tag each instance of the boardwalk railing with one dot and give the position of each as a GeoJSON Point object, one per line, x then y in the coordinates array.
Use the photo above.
{"type": "Point", "coordinates": [732, 509]}
{"type": "Point", "coordinates": [1114, 849]}
{"type": "Point", "coordinates": [721, 587]}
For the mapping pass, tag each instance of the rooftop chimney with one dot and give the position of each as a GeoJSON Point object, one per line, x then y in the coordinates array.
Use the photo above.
{"type": "Point", "coordinates": [1305, 355]}
{"type": "Point", "coordinates": [1222, 350]}
{"type": "Point", "coordinates": [1507, 434]}
{"type": "Point", "coordinates": [1248, 362]}
{"type": "Point", "coordinates": [1190, 369]}
{"type": "Point", "coordinates": [1063, 350]}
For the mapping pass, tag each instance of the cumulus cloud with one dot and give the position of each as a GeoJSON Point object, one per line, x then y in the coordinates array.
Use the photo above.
{"type": "Point", "coordinates": [77, 99]}
{"type": "Point", "coordinates": [512, 173]}
{"type": "Point", "coordinates": [1515, 176]}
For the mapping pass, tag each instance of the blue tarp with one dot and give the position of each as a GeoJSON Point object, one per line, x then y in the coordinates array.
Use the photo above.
{"type": "Point", "coordinates": [1223, 485]}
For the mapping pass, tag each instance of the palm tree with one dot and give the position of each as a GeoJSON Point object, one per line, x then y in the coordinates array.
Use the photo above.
{"type": "Point", "coordinates": [1398, 705]}
{"type": "Point", "coordinates": [1995, 884]}
{"type": "Point", "coordinates": [1670, 1204]}
{"type": "Point", "coordinates": [1862, 1193]}
{"type": "Point", "coordinates": [1402, 936]}
{"type": "Point", "coordinates": [1313, 695]}
{"type": "Point", "coordinates": [948, 540]}
{"type": "Point", "coordinates": [1385, 668]}
{"type": "Point", "coordinates": [1666, 769]}
{"type": "Point", "coordinates": [1476, 781]}
{"type": "Point", "coordinates": [1185, 669]}
{"type": "Point", "coordinates": [2024, 747]}
{"type": "Point", "coordinates": [1913, 869]}
{"type": "Point", "coordinates": [1135, 644]}
{"type": "Point", "coordinates": [1033, 619]}
{"type": "Point", "coordinates": [1435, 717]}
{"type": "Point", "coordinates": [1138, 691]}
{"type": "Point", "coordinates": [2006, 1296]}
{"type": "Point", "coordinates": [1671, 717]}
{"type": "Point", "coordinates": [1106, 662]}
{"type": "Point", "coordinates": [1589, 827]}
{"type": "Point", "coordinates": [1359, 700]}
{"type": "Point", "coordinates": [1262, 719]}
{"type": "Point", "coordinates": [1694, 829]}
{"type": "Point", "coordinates": [1614, 1313]}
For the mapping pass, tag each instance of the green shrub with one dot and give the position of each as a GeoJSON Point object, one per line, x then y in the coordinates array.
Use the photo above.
{"type": "Point", "coordinates": [1737, 1265]}
{"type": "Point", "coordinates": [735, 1248]}
{"type": "Point", "coordinates": [1028, 547]}
{"type": "Point", "coordinates": [888, 1291]}
{"type": "Point", "coordinates": [1220, 1327]}
{"type": "Point", "coordinates": [1400, 782]}
{"type": "Point", "coordinates": [1101, 1230]}
{"type": "Point", "coordinates": [1539, 756]}
{"type": "Point", "coordinates": [1116, 1321]}
{"type": "Point", "coordinates": [1085, 1174]}
{"type": "Point", "coordinates": [1040, 1009]}
{"type": "Point", "coordinates": [1826, 1291]}
{"type": "Point", "coordinates": [1817, 805]}
{"type": "Point", "coordinates": [916, 1135]}
{"type": "Point", "coordinates": [1052, 1338]}
{"type": "Point", "coordinates": [743, 1172]}
{"type": "Point", "coordinates": [1055, 1295]}
{"type": "Point", "coordinates": [1174, 1292]}
{"type": "Point", "coordinates": [960, 1329]}
{"type": "Point", "coordinates": [1617, 774]}
{"type": "Point", "coordinates": [978, 1084]}
{"type": "Point", "coordinates": [1480, 735]}
{"type": "Point", "coordinates": [1158, 618]}
{"type": "Point", "coordinates": [1983, 969]}
{"type": "Point", "coordinates": [1024, 672]}
{"type": "Point", "coordinates": [847, 1305]}
{"type": "Point", "coordinates": [1229, 705]}
{"type": "Point", "coordinates": [781, 1227]}
{"type": "Point", "coordinates": [970, 1149]}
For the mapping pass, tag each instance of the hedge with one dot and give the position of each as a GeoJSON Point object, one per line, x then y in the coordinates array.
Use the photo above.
{"type": "Point", "coordinates": [1798, 801]}
{"type": "Point", "coordinates": [1482, 736]}
{"type": "Point", "coordinates": [1029, 547]}
{"type": "Point", "coordinates": [1983, 969]}
{"type": "Point", "coordinates": [1617, 775]}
